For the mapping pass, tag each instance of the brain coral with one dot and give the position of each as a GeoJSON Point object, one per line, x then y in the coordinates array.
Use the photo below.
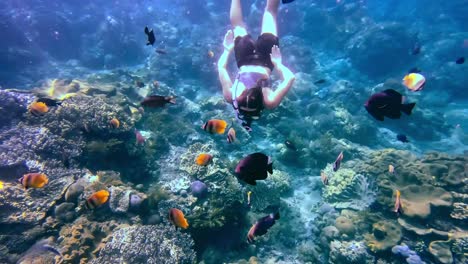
{"type": "Point", "coordinates": [385, 235]}
{"type": "Point", "coordinates": [441, 251]}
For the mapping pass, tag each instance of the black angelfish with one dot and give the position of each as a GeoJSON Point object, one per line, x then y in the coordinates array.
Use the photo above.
{"type": "Point", "coordinates": [388, 103]}
{"type": "Point", "coordinates": [254, 167]}
{"type": "Point", "coordinates": [151, 37]}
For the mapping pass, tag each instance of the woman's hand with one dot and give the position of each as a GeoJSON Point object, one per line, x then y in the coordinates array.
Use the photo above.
{"type": "Point", "coordinates": [275, 55]}
{"type": "Point", "coordinates": [228, 42]}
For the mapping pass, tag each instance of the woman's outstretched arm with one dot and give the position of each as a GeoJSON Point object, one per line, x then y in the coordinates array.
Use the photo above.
{"type": "Point", "coordinates": [223, 74]}
{"type": "Point", "coordinates": [273, 98]}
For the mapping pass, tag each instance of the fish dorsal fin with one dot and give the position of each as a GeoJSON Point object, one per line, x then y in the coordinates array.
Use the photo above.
{"type": "Point", "coordinates": [393, 93]}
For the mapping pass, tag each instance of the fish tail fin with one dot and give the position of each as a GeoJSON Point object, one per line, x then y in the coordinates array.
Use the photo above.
{"type": "Point", "coordinates": [171, 99]}
{"type": "Point", "coordinates": [276, 216]}
{"type": "Point", "coordinates": [407, 108]}
{"type": "Point", "coordinates": [270, 168]}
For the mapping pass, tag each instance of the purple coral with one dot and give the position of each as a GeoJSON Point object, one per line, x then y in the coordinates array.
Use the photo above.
{"type": "Point", "coordinates": [199, 189]}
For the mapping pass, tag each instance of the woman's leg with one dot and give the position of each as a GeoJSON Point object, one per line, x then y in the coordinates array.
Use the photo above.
{"type": "Point", "coordinates": [269, 17]}
{"type": "Point", "coordinates": [237, 21]}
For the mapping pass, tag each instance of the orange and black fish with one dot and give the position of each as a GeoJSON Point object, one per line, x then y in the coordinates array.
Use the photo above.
{"type": "Point", "coordinates": [337, 163]}
{"type": "Point", "coordinates": [261, 226]}
{"type": "Point", "coordinates": [203, 159]}
{"type": "Point", "coordinates": [231, 135]}
{"type": "Point", "coordinates": [177, 218]}
{"type": "Point", "coordinates": [324, 178]}
{"type": "Point", "coordinates": [97, 199]}
{"type": "Point", "coordinates": [158, 101]}
{"type": "Point", "coordinates": [34, 180]}
{"type": "Point", "coordinates": [217, 126]}
{"type": "Point", "coordinates": [397, 209]}
{"type": "Point", "coordinates": [38, 108]}
{"type": "Point", "coordinates": [114, 123]}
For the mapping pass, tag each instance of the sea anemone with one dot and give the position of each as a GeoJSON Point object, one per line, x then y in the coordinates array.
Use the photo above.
{"type": "Point", "coordinates": [199, 189]}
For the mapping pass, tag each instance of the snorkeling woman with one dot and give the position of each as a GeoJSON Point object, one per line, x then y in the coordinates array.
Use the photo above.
{"type": "Point", "coordinates": [251, 91]}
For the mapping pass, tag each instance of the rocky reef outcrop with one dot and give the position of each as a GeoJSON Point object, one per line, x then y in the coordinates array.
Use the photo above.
{"type": "Point", "coordinates": [147, 244]}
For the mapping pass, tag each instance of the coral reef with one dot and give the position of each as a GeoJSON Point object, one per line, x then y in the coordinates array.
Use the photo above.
{"type": "Point", "coordinates": [419, 200]}
{"type": "Point", "coordinates": [148, 244]}
{"type": "Point", "coordinates": [352, 252]}
{"type": "Point", "coordinates": [440, 250]}
{"type": "Point", "coordinates": [347, 189]}
{"type": "Point", "coordinates": [385, 234]}
{"type": "Point", "coordinates": [411, 256]}
{"type": "Point", "coordinates": [80, 239]}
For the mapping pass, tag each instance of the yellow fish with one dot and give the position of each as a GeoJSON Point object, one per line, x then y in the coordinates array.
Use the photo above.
{"type": "Point", "coordinates": [414, 81]}
{"type": "Point", "coordinates": [97, 199]}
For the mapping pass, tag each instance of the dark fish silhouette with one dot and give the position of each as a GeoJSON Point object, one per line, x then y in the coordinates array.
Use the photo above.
{"type": "Point", "coordinates": [161, 51]}
{"type": "Point", "coordinates": [460, 60]}
{"type": "Point", "coordinates": [158, 101]}
{"type": "Point", "coordinates": [290, 145]}
{"type": "Point", "coordinates": [402, 138]}
{"type": "Point", "coordinates": [49, 101]}
{"type": "Point", "coordinates": [261, 227]}
{"type": "Point", "coordinates": [388, 103]}
{"type": "Point", "coordinates": [287, 1]}
{"type": "Point", "coordinates": [416, 49]}
{"type": "Point", "coordinates": [150, 34]}
{"type": "Point", "coordinates": [337, 163]}
{"type": "Point", "coordinates": [414, 70]}
{"type": "Point", "coordinates": [254, 167]}
{"type": "Point", "coordinates": [320, 81]}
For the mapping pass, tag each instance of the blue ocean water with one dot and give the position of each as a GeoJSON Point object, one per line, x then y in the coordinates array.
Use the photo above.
{"type": "Point", "coordinates": [74, 74]}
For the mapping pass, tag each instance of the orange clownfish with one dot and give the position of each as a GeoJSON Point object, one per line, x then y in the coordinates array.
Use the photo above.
{"type": "Point", "coordinates": [38, 108]}
{"type": "Point", "coordinates": [217, 126]}
{"type": "Point", "coordinates": [177, 218]}
{"type": "Point", "coordinates": [97, 199]}
{"type": "Point", "coordinates": [397, 208]}
{"type": "Point", "coordinates": [34, 180]}
{"type": "Point", "coordinates": [114, 123]}
{"type": "Point", "coordinates": [203, 159]}
{"type": "Point", "coordinates": [414, 81]}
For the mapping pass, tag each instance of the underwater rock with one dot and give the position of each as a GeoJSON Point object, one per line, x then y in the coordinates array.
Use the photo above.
{"type": "Point", "coordinates": [147, 244]}
{"type": "Point", "coordinates": [440, 250]}
{"type": "Point", "coordinates": [385, 234]}
{"type": "Point", "coordinates": [460, 211]}
{"type": "Point", "coordinates": [385, 45]}
{"type": "Point", "coordinates": [13, 106]}
{"type": "Point", "coordinates": [328, 234]}
{"type": "Point", "coordinates": [65, 212]}
{"type": "Point", "coordinates": [41, 252]}
{"type": "Point", "coordinates": [345, 226]}
{"type": "Point", "coordinates": [419, 200]}
{"type": "Point", "coordinates": [74, 191]}
{"type": "Point", "coordinates": [199, 189]}
{"type": "Point", "coordinates": [352, 252]}
{"type": "Point", "coordinates": [268, 193]}
{"type": "Point", "coordinates": [154, 219]}
{"type": "Point", "coordinates": [124, 198]}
